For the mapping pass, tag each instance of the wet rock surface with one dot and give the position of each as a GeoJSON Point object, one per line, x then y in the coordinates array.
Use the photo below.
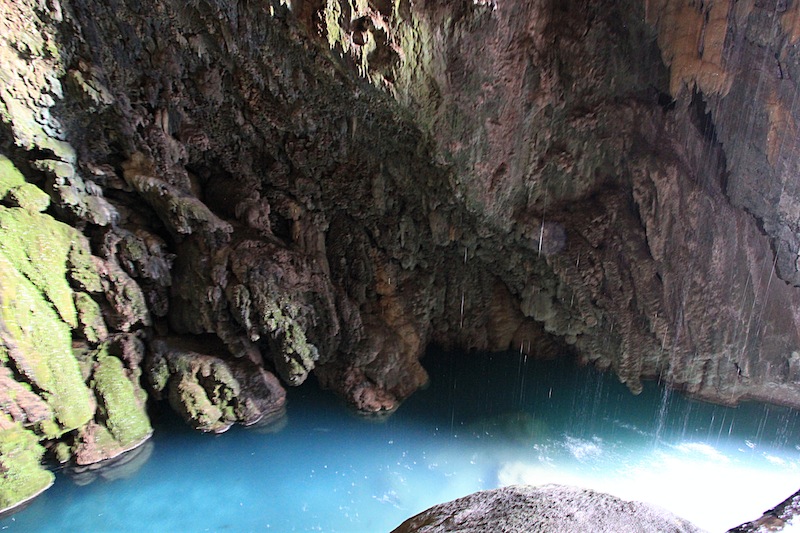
{"type": "Point", "coordinates": [520, 508]}
{"type": "Point", "coordinates": [210, 392]}
{"type": "Point", "coordinates": [330, 187]}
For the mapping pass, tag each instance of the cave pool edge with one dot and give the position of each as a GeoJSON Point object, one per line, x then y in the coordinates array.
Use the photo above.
{"type": "Point", "coordinates": [485, 420]}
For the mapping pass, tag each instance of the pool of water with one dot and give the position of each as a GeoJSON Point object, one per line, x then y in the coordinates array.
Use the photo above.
{"type": "Point", "coordinates": [484, 421]}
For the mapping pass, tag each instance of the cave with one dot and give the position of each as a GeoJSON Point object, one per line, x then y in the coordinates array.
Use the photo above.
{"type": "Point", "coordinates": [487, 243]}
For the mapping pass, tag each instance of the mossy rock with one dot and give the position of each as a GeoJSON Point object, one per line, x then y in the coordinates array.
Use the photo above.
{"type": "Point", "coordinates": [205, 392]}
{"type": "Point", "coordinates": [29, 197]}
{"type": "Point", "coordinates": [37, 253]}
{"type": "Point", "coordinates": [38, 246]}
{"type": "Point", "coordinates": [190, 400]}
{"type": "Point", "coordinates": [21, 473]}
{"type": "Point", "coordinates": [158, 374]}
{"type": "Point", "coordinates": [81, 269]}
{"type": "Point", "coordinates": [128, 304]}
{"type": "Point", "coordinates": [293, 355]}
{"type": "Point", "coordinates": [90, 318]}
{"type": "Point", "coordinates": [39, 346]}
{"type": "Point", "coordinates": [10, 176]}
{"type": "Point", "coordinates": [118, 407]}
{"type": "Point", "coordinates": [29, 134]}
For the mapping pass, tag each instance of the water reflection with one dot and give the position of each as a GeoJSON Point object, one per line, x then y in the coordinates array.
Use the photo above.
{"type": "Point", "coordinates": [121, 467]}
{"type": "Point", "coordinates": [479, 425]}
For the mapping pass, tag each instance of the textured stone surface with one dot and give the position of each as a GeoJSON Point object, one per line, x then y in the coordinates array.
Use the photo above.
{"type": "Point", "coordinates": [330, 187]}
{"type": "Point", "coordinates": [59, 384]}
{"type": "Point", "coordinates": [210, 392]}
{"type": "Point", "coordinates": [522, 508]}
{"type": "Point", "coordinates": [21, 474]}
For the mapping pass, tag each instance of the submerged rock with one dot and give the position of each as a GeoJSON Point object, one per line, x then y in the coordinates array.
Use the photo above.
{"type": "Point", "coordinates": [518, 427]}
{"type": "Point", "coordinates": [549, 508]}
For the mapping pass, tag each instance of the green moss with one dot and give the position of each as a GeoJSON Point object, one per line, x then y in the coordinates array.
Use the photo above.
{"type": "Point", "coordinates": [80, 265]}
{"type": "Point", "coordinates": [37, 246]}
{"type": "Point", "coordinates": [63, 172]}
{"type": "Point", "coordinates": [49, 429]}
{"type": "Point", "coordinates": [10, 177]}
{"type": "Point", "coordinates": [127, 300]}
{"type": "Point", "coordinates": [29, 134]}
{"type": "Point", "coordinates": [29, 197]}
{"type": "Point", "coordinates": [84, 354]}
{"type": "Point", "coordinates": [124, 417]}
{"type": "Point", "coordinates": [62, 452]}
{"type": "Point", "coordinates": [224, 386]}
{"type": "Point", "coordinates": [21, 473]}
{"type": "Point", "coordinates": [104, 440]}
{"type": "Point", "coordinates": [189, 399]}
{"type": "Point", "coordinates": [182, 213]}
{"type": "Point", "coordinates": [90, 318]}
{"type": "Point", "coordinates": [203, 389]}
{"type": "Point", "coordinates": [16, 192]}
{"type": "Point", "coordinates": [159, 374]}
{"type": "Point", "coordinates": [39, 344]}
{"type": "Point", "coordinates": [294, 356]}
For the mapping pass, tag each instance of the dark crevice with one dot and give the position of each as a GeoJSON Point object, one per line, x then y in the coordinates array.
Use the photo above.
{"type": "Point", "coordinates": [701, 117]}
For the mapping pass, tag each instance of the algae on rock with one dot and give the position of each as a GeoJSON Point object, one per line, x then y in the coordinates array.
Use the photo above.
{"type": "Point", "coordinates": [212, 393]}
{"type": "Point", "coordinates": [38, 312]}
{"type": "Point", "coordinates": [47, 275]}
{"type": "Point", "coordinates": [21, 474]}
{"type": "Point", "coordinates": [118, 403]}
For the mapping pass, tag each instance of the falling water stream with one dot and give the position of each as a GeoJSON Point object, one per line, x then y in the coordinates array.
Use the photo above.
{"type": "Point", "coordinates": [484, 421]}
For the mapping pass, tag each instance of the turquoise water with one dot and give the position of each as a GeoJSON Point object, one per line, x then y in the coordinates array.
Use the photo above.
{"type": "Point", "coordinates": [485, 421]}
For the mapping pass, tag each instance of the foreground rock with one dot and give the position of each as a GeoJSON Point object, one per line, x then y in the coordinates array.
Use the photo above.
{"type": "Point", "coordinates": [546, 509]}
{"type": "Point", "coordinates": [775, 519]}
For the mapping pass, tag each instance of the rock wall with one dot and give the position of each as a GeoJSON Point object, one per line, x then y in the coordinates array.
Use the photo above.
{"type": "Point", "coordinates": [200, 196]}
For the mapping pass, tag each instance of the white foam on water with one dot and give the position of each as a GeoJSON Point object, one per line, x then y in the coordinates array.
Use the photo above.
{"type": "Point", "coordinates": [714, 488]}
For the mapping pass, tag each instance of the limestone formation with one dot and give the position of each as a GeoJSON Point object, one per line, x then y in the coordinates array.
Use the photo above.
{"type": "Point", "coordinates": [212, 393]}
{"type": "Point", "coordinates": [330, 187]}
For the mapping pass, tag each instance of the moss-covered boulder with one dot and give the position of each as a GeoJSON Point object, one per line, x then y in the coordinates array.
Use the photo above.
{"type": "Point", "coordinates": [120, 422]}
{"type": "Point", "coordinates": [85, 401]}
{"type": "Point", "coordinates": [212, 392]}
{"type": "Point", "coordinates": [22, 476]}
{"type": "Point", "coordinates": [37, 312]}
{"type": "Point", "coordinates": [119, 401]}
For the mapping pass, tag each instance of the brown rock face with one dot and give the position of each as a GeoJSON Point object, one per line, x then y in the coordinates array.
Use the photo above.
{"type": "Point", "coordinates": [330, 187]}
